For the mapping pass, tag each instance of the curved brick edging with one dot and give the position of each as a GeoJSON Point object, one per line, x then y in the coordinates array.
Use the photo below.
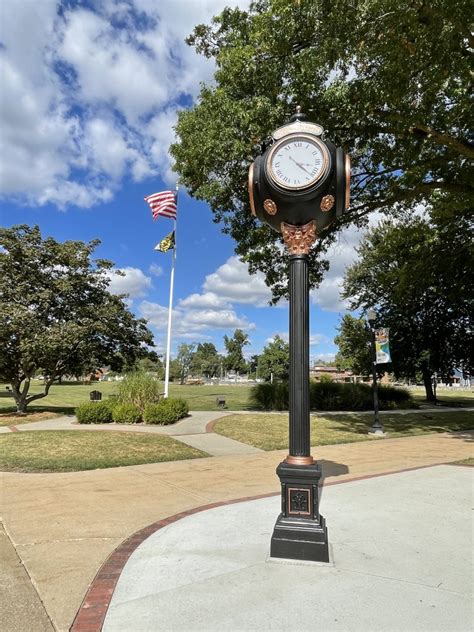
{"type": "Point", "coordinates": [210, 425]}
{"type": "Point", "coordinates": [91, 615]}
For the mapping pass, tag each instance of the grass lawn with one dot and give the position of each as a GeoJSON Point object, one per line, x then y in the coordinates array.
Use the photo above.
{"type": "Point", "coordinates": [10, 419]}
{"type": "Point", "coordinates": [270, 431]}
{"type": "Point", "coordinates": [68, 451]}
{"type": "Point", "coordinates": [446, 397]}
{"type": "Point", "coordinates": [63, 398]}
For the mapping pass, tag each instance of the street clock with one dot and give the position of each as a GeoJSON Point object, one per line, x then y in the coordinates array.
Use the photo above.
{"type": "Point", "coordinates": [299, 185]}
{"type": "Point", "coordinates": [300, 177]}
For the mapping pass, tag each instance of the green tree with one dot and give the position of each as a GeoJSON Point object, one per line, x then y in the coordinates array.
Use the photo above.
{"type": "Point", "coordinates": [175, 370]}
{"type": "Point", "coordinates": [57, 315]}
{"type": "Point", "coordinates": [418, 276]}
{"type": "Point", "coordinates": [152, 364]}
{"type": "Point", "coordinates": [388, 79]}
{"type": "Point", "coordinates": [206, 361]}
{"type": "Point", "coordinates": [234, 360]}
{"type": "Point", "coordinates": [184, 360]}
{"type": "Point", "coordinates": [353, 341]}
{"type": "Point", "coordinates": [253, 365]}
{"type": "Point", "coordinates": [275, 359]}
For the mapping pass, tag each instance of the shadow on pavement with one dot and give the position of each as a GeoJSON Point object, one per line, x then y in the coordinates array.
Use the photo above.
{"type": "Point", "coordinates": [329, 470]}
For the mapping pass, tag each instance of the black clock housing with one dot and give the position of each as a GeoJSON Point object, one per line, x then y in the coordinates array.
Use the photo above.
{"type": "Point", "coordinates": [322, 201]}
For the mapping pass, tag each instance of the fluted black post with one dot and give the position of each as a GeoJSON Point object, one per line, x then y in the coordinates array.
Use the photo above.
{"type": "Point", "coordinates": [299, 356]}
{"type": "Point", "coordinates": [300, 531]}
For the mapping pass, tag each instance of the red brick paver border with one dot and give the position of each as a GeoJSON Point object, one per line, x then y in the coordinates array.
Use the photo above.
{"type": "Point", "coordinates": [210, 425]}
{"type": "Point", "coordinates": [91, 615]}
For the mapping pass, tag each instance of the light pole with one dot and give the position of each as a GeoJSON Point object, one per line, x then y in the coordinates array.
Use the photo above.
{"type": "Point", "coordinates": [377, 428]}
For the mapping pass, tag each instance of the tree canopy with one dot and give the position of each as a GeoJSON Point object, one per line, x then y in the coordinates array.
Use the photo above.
{"type": "Point", "coordinates": [418, 276]}
{"type": "Point", "coordinates": [57, 316]}
{"type": "Point", "coordinates": [275, 359]}
{"type": "Point", "coordinates": [234, 360]}
{"type": "Point", "coordinates": [206, 361]}
{"type": "Point", "coordinates": [353, 340]}
{"type": "Point", "coordinates": [388, 80]}
{"type": "Point", "coordinates": [184, 360]}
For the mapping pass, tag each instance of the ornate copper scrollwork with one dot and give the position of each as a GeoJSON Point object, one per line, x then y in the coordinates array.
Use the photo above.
{"type": "Point", "coordinates": [299, 239]}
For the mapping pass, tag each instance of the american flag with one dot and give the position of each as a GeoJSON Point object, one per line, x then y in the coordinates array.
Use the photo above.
{"type": "Point", "coordinates": [163, 203]}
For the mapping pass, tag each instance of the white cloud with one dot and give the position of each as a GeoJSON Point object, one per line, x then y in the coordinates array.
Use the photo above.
{"type": "Point", "coordinates": [232, 282]}
{"type": "Point", "coordinates": [314, 339]}
{"type": "Point", "coordinates": [155, 270]}
{"type": "Point", "coordinates": [324, 357]}
{"type": "Point", "coordinates": [203, 301]}
{"type": "Point", "coordinates": [160, 130]}
{"type": "Point", "coordinates": [192, 324]}
{"type": "Point", "coordinates": [110, 66]}
{"type": "Point", "coordinates": [317, 339]}
{"type": "Point", "coordinates": [89, 96]}
{"type": "Point", "coordinates": [340, 255]}
{"type": "Point", "coordinates": [282, 334]}
{"type": "Point", "coordinates": [132, 281]}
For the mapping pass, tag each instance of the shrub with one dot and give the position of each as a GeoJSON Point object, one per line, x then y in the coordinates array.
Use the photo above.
{"type": "Point", "coordinates": [167, 411]}
{"type": "Point", "coordinates": [395, 397]}
{"type": "Point", "coordinates": [139, 389]}
{"type": "Point", "coordinates": [267, 396]}
{"type": "Point", "coordinates": [126, 414]}
{"type": "Point", "coordinates": [330, 395]}
{"type": "Point", "coordinates": [95, 412]}
{"type": "Point", "coordinates": [326, 378]}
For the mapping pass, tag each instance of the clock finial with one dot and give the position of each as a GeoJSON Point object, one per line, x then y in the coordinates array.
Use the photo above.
{"type": "Point", "coordinates": [299, 115]}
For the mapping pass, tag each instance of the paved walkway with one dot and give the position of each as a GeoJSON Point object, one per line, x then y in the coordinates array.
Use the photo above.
{"type": "Point", "coordinates": [391, 570]}
{"type": "Point", "coordinates": [63, 526]}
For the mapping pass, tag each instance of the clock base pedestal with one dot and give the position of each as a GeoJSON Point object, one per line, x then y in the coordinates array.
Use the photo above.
{"type": "Point", "coordinates": [300, 531]}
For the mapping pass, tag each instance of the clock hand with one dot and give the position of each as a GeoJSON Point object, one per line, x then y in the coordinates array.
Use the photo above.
{"type": "Point", "coordinates": [299, 165]}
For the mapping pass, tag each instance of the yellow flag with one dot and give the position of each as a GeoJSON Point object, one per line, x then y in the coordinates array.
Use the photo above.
{"type": "Point", "coordinates": [166, 244]}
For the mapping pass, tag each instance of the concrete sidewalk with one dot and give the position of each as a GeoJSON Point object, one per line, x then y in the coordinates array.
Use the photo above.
{"type": "Point", "coordinates": [63, 526]}
{"type": "Point", "coordinates": [400, 557]}
{"type": "Point", "coordinates": [194, 423]}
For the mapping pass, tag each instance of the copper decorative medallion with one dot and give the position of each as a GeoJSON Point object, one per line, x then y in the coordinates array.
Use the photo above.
{"type": "Point", "coordinates": [327, 203]}
{"type": "Point", "coordinates": [299, 501]}
{"type": "Point", "coordinates": [299, 239]}
{"type": "Point", "coordinates": [270, 206]}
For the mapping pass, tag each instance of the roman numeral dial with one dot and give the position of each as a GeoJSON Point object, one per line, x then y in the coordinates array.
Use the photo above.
{"type": "Point", "coordinates": [297, 162]}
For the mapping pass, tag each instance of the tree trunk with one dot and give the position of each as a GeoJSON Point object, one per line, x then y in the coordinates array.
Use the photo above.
{"type": "Point", "coordinates": [20, 398]}
{"type": "Point", "coordinates": [427, 381]}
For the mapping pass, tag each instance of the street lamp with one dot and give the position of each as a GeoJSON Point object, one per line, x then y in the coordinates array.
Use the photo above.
{"type": "Point", "coordinates": [299, 186]}
{"type": "Point", "coordinates": [377, 428]}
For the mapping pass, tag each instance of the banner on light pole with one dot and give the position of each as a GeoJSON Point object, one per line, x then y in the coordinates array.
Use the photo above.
{"type": "Point", "coordinates": [382, 349]}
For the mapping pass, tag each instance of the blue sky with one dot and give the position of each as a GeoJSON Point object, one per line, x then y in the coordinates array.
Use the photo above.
{"type": "Point", "coordinates": [89, 100]}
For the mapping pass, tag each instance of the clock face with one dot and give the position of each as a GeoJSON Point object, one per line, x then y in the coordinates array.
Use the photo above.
{"type": "Point", "coordinates": [297, 162]}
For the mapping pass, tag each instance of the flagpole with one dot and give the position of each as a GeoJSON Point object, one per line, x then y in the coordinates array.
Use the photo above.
{"type": "Point", "coordinates": [170, 309]}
